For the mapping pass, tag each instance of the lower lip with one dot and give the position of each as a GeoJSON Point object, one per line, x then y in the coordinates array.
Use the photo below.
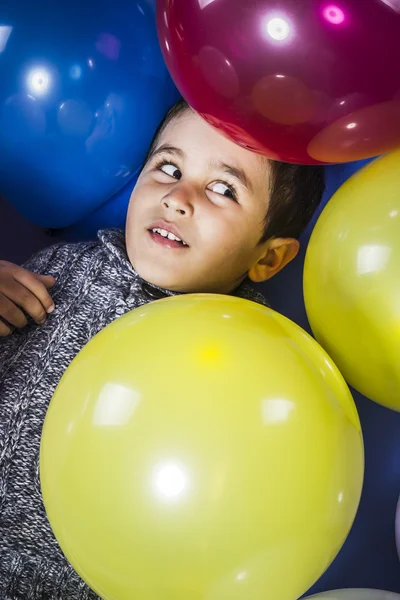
{"type": "Point", "coordinates": [166, 242]}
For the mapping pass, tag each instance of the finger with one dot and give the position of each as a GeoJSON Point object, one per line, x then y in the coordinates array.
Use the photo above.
{"type": "Point", "coordinates": [11, 313]}
{"type": "Point", "coordinates": [4, 329]}
{"type": "Point", "coordinates": [48, 280]}
{"type": "Point", "coordinates": [34, 285]}
{"type": "Point", "coordinates": [22, 297]}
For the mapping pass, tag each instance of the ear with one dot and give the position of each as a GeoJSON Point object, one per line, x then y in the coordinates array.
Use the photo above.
{"type": "Point", "coordinates": [278, 253]}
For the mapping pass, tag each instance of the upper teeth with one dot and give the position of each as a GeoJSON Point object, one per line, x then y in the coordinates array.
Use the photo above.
{"type": "Point", "coordinates": [168, 234]}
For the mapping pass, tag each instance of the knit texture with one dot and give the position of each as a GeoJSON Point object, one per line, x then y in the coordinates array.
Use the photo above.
{"type": "Point", "coordinates": [95, 284]}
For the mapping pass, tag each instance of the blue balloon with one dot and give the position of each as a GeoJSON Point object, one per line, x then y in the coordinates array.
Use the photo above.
{"type": "Point", "coordinates": [83, 87]}
{"type": "Point", "coordinates": [111, 214]}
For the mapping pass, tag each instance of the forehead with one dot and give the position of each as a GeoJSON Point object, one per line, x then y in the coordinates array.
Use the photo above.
{"type": "Point", "coordinates": [192, 134]}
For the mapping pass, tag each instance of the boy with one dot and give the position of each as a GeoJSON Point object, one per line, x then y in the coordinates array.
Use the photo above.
{"type": "Point", "coordinates": [205, 215]}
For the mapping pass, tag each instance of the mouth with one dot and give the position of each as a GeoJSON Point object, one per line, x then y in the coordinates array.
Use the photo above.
{"type": "Point", "coordinates": [167, 235]}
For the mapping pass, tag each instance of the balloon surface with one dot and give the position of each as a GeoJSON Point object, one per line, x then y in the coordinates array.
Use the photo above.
{"type": "Point", "coordinates": [83, 88]}
{"type": "Point", "coordinates": [355, 594]}
{"type": "Point", "coordinates": [398, 528]}
{"type": "Point", "coordinates": [302, 81]}
{"type": "Point", "coordinates": [179, 460]}
{"type": "Point", "coordinates": [351, 280]}
{"type": "Point", "coordinates": [369, 558]}
{"type": "Point", "coordinates": [111, 214]}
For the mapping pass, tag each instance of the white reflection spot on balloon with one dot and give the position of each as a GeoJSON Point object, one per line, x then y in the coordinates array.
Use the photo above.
{"type": "Point", "coordinates": [5, 32]}
{"type": "Point", "coordinates": [241, 576]}
{"type": "Point", "coordinates": [38, 81]}
{"type": "Point", "coordinates": [278, 29]}
{"type": "Point", "coordinates": [393, 213]}
{"type": "Point", "coordinates": [351, 125]}
{"type": "Point", "coordinates": [165, 17]}
{"type": "Point", "coordinates": [372, 258]}
{"type": "Point", "coordinates": [276, 410]}
{"type": "Point", "coordinates": [334, 14]}
{"type": "Point", "coordinates": [115, 406]}
{"type": "Point", "coordinates": [394, 4]}
{"type": "Point", "coordinates": [170, 480]}
{"type": "Point", "coordinates": [204, 3]}
{"type": "Point", "coordinates": [340, 497]}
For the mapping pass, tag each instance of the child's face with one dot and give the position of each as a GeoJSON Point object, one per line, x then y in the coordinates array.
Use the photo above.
{"type": "Point", "coordinates": [210, 193]}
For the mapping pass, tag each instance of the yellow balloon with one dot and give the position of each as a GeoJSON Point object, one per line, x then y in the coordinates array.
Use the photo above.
{"type": "Point", "coordinates": [201, 447]}
{"type": "Point", "coordinates": [352, 280]}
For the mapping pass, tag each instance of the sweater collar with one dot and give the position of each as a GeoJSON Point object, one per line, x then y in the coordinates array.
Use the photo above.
{"type": "Point", "coordinates": [114, 243]}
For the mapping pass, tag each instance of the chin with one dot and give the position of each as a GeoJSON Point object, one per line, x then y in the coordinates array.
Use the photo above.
{"type": "Point", "coordinates": [160, 279]}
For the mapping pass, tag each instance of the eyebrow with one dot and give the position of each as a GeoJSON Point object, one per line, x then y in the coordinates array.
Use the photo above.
{"type": "Point", "coordinates": [166, 148]}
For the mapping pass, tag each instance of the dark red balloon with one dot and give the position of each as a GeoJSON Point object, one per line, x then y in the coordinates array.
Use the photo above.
{"type": "Point", "coordinates": [303, 81]}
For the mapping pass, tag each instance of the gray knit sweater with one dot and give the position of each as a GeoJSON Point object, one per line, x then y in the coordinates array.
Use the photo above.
{"type": "Point", "coordinates": [95, 284]}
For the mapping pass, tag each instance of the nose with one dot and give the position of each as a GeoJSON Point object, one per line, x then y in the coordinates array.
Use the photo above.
{"type": "Point", "coordinates": [179, 200]}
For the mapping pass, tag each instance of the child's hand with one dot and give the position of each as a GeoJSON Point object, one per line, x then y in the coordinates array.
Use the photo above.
{"type": "Point", "coordinates": [20, 288]}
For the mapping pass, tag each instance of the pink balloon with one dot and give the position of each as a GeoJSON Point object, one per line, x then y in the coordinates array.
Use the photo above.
{"type": "Point", "coordinates": [303, 81]}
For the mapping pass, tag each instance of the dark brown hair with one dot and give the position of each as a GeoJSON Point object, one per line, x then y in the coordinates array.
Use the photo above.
{"type": "Point", "coordinates": [294, 194]}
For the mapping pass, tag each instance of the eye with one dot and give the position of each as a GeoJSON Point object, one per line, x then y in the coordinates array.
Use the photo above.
{"type": "Point", "coordinates": [170, 169]}
{"type": "Point", "coordinates": [224, 189]}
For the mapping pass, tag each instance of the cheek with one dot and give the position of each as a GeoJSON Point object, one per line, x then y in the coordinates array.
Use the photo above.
{"type": "Point", "coordinates": [228, 231]}
{"type": "Point", "coordinates": [148, 191]}
{"type": "Point", "coordinates": [216, 231]}
{"type": "Point", "coordinates": [234, 246]}
{"type": "Point", "coordinates": [134, 217]}
{"type": "Point", "coordinates": [137, 201]}
{"type": "Point", "coordinates": [130, 217]}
